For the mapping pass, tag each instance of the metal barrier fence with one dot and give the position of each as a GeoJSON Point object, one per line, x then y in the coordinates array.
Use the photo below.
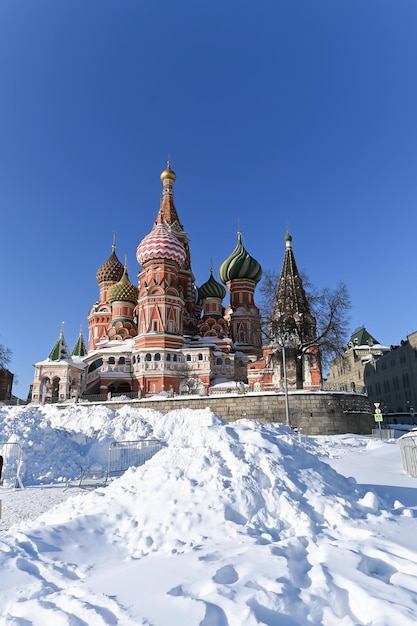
{"type": "Point", "coordinates": [383, 433]}
{"type": "Point", "coordinates": [121, 456]}
{"type": "Point", "coordinates": [408, 447]}
{"type": "Point", "coordinates": [11, 463]}
{"type": "Point", "coordinates": [125, 454]}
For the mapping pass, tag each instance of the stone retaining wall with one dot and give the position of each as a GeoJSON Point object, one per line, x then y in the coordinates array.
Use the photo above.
{"type": "Point", "coordinates": [316, 413]}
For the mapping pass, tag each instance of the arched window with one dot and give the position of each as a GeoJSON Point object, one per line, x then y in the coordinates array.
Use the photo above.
{"type": "Point", "coordinates": [122, 360]}
{"type": "Point", "coordinates": [227, 361]}
{"type": "Point", "coordinates": [219, 362]}
{"type": "Point", "coordinates": [157, 357]}
{"type": "Point", "coordinates": [188, 357]}
{"type": "Point", "coordinates": [148, 357]}
{"type": "Point", "coordinates": [111, 360]}
{"type": "Point", "coordinates": [175, 357]}
{"type": "Point", "coordinates": [95, 364]}
{"type": "Point", "coordinates": [200, 357]}
{"type": "Point", "coordinates": [168, 357]}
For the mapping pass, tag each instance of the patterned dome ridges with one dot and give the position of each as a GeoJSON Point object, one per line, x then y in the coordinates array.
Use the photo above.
{"type": "Point", "coordinates": [160, 244]}
{"type": "Point", "coordinates": [124, 290]}
{"type": "Point", "coordinates": [212, 289]}
{"type": "Point", "coordinates": [111, 270]}
{"type": "Point", "coordinates": [60, 350]}
{"type": "Point", "coordinates": [79, 348]}
{"type": "Point", "coordinates": [240, 265]}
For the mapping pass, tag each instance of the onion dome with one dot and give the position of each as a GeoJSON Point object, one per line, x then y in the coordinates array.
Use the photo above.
{"type": "Point", "coordinates": [240, 265]}
{"type": "Point", "coordinates": [124, 290]}
{"type": "Point", "coordinates": [212, 289]}
{"type": "Point", "coordinates": [111, 270]}
{"type": "Point", "coordinates": [288, 237]}
{"type": "Point", "coordinates": [168, 173]}
{"type": "Point", "coordinates": [160, 244]}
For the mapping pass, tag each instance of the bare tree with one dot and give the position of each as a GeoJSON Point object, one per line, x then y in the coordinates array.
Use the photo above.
{"type": "Point", "coordinates": [5, 357]}
{"type": "Point", "coordinates": [329, 307]}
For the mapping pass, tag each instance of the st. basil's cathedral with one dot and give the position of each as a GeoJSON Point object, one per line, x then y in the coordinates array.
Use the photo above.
{"type": "Point", "coordinates": [168, 336]}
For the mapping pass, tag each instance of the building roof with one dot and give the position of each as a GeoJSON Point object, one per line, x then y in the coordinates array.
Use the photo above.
{"type": "Point", "coordinates": [361, 337]}
{"type": "Point", "coordinates": [60, 350]}
{"type": "Point", "coordinates": [291, 296]}
{"type": "Point", "coordinates": [79, 348]}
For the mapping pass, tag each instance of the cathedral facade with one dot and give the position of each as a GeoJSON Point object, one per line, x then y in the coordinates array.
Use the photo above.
{"type": "Point", "coordinates": [165, 335]}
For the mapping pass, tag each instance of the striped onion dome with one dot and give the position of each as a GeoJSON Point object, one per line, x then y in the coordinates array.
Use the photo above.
{"type": "Point", "coordinates": [240, 264]}
{"type": "Point", "coordinates": [160, 244]}
{"type": "Point", "coordinates": [211, 289]}
{"type": "Point", "coordinates": [111, 270]}
{"type": "Point", "coordinates": [124, 290]}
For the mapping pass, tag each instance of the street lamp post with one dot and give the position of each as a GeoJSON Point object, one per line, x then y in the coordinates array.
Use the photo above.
{"type": "Point", "coordinates": [284, 365]}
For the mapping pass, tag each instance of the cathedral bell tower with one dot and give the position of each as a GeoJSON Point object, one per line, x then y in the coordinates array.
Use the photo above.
{"type": "Point", "coordinates": [292, 319]}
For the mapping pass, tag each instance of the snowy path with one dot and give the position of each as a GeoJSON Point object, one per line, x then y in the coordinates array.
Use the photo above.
{"type": "Point", "coordinates": [28, 504]}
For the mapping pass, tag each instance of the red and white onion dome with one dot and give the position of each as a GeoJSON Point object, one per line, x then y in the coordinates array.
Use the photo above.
{"type": "Point", "coordinates": [111, 270]}
{"type": "Point", "coordinates": [160, 244]}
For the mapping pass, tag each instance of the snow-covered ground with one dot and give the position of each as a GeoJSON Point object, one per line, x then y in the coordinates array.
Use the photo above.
{"type": "Point", "coordinates": [227, 525]}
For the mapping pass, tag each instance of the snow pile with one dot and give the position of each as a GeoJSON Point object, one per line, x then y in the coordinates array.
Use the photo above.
{"type": "Point", "coordinates": [229, 524]}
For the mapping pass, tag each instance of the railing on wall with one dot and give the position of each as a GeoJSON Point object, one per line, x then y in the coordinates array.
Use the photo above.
{"type": "Point", "coordinates": [234, 388]}
{"type": "Point", "coordinates": [13, 402]}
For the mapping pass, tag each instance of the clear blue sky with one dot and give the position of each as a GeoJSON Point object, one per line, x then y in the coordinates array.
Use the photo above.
{"type": "Point", "coordinates": [275, 113]}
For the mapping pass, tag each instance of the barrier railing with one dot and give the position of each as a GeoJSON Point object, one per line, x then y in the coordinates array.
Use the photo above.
{"type": "Point", "coordinates": [125, 454]}
{"type": "Point", "coordinates": [408, 447]}
{"type": "Point", "coordinates": [121, 456]}
{"type": "Point", "coordinates": [10, 464]}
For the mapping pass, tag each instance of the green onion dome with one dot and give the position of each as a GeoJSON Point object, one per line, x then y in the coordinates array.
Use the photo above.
{"type": "Point", "coordinates": [211, 289]}
{"type": "Point", "coordinates": [111, 270]}
{"type": "Point", "coordinates": [240, 264]}
{"type": "Point", "coordinates": [123, 290]}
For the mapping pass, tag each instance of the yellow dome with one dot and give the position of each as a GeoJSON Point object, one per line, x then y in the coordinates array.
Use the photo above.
{"type": "Point", "coordinates": [168, 173]}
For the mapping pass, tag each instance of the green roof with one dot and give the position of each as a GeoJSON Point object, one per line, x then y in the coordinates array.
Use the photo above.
{"type": "Point", "coordinates": [60, 350]}
{"type": "Point", "coordinates": [361, 337]}
{"type": "Point", "coordinates": [79, 348]}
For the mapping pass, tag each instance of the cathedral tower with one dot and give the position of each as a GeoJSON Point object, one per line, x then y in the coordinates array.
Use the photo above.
{"type": "Point", "coordinates": [123, 298]}
{"type": "Point", "coordinates": [186, 277]}
{"type": "Point", "coordinates": [293, 323]}
{"type": "Point", "coordinates": [212, 323]}
{"type": "Point", "coordinates": [161, 295]}
{"type": "Point", "coordinates": [100, 315]}
{"type": "Point", "coordinates": [240, 272]}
